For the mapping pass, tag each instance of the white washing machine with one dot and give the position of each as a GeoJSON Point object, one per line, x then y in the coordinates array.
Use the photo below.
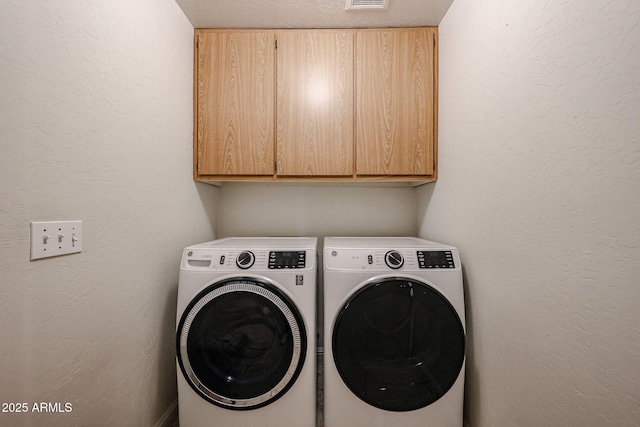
{"type": "Point", "coordinates": [394, 333]}
{"type": "Point", "coordinates": [245, 336]}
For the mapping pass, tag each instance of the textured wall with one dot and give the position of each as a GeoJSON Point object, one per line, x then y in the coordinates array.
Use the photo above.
{"type": "Point", "coordinates": [299, 210]}
{"type": "Point", "coordinates": [539, 187]}
{"type": "Point", "coordinates": [95, 124]}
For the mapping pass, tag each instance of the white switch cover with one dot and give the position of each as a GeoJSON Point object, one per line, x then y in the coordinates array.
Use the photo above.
{"type": "Point", "coordinates": [53, 238]}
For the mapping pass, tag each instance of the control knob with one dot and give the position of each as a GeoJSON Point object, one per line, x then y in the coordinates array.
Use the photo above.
{"type": "Point", "coordinates": [394, 259]}
{"type": "Point", "coordinates": [245, 260]}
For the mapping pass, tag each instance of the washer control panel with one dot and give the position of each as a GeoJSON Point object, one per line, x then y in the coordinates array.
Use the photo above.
{"type": "Point", "coordinates": [234, 260]}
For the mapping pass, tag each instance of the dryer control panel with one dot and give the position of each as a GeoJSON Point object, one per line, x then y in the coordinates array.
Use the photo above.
{"type": "Point", "coordinates": [389, 259]}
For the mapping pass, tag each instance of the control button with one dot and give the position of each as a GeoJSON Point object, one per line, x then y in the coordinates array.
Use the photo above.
{"type": "Point", "coordinates": [370, 259]}
{"type": "Point", "coordinates": [222, 260]}
{"type": "Point", "coordinates": [394, 259]}
{"type": "Point", "coordinates": [245, 260]}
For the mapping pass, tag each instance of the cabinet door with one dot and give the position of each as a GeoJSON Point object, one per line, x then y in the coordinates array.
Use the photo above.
{"type": "Point", "coordinates": [315, 103]}
{"type": "Point", "coordinates": [395, 99]}
{"type": "Point", "coordinates": [234, 101]}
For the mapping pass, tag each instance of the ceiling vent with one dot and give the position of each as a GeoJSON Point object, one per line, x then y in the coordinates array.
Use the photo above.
{"type": "Point", "coordinates": [366, 4]}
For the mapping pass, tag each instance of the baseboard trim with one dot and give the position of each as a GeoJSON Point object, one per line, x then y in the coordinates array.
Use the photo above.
{"type": "Point", "coordinates": [169, 417]}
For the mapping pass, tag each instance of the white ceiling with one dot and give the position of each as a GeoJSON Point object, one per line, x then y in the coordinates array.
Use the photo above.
{"type": "Point", "coordinates": [310, 14]}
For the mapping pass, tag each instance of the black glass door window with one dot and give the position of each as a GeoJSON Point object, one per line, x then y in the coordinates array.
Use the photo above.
{"type": "Point", "coordinates": [398, 344]}
{"type": "Point", "coordinates": [241, 344]}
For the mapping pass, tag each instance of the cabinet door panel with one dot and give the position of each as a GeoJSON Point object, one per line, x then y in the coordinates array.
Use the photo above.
{"type": "Point", "coordinates": [395, 101]}
{"type": "Point", "coordinates": [235, 108]}
{"type": "Point", "coordinates": [314, 125]}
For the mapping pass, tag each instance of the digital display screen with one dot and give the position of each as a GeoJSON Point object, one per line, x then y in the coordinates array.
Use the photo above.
{"type": "Point", "coordinates": [287, 259]}
{"type": "Point", "coordinates": [435, 259]}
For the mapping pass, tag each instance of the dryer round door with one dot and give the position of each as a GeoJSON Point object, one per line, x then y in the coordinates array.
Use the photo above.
{"type": "Point", "coordinates": [398, 344]}
{"type": "Point", "coordinates": [241, 343]}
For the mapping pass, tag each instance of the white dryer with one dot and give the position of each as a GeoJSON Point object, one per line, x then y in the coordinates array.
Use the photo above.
{"type": "Point", "coordinates": [245, 333]}
{"type": "Point", "coordinates": [394, 340]}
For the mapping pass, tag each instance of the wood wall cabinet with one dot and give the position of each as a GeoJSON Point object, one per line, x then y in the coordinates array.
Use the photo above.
{"type": "Point", "coordinates": [314, 108]}
{"type": "Point", "coordinates": [234, 97]}
{"type": "Point", "coordinates": [395, 106]}
{"type": "Point", "coordinates": [324, 105]}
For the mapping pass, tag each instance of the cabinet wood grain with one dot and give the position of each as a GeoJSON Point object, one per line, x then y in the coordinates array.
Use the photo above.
{"type": "Point", "coordinates": [314, 125]}
{"type": "Point", "coordinates": [395, 101]}
{"type": "Point", "coordinates": [235, 93]}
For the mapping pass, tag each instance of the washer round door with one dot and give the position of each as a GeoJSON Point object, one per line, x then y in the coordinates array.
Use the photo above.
{"type": "Point", "coordinates": [398, 344]}
{"type": "Point", "coordinates": [241, 343]}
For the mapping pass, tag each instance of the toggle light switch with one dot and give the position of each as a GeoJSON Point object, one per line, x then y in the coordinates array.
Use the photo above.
{"type": "Point", "coordinates": [68, 241]}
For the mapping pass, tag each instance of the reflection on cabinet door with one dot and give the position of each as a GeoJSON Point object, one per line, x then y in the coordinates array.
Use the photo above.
{"type": "Point", "coordinates": [235, 108]}
{"type": "Point", "coordinates": [315, 103]}
{"type": "Point", "coordinates": [395, 101]}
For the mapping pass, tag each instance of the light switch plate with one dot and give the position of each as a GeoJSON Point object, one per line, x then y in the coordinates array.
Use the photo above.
{"type": "Point", "coordinates": [53, 238]}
